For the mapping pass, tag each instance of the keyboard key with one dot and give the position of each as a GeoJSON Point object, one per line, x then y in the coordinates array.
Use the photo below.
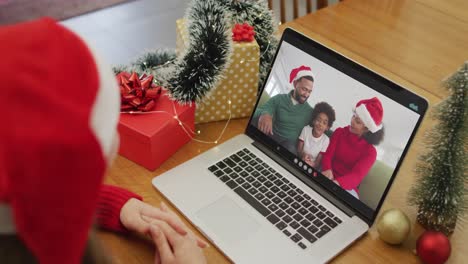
{"type": "Point", "coordinates": [242, 164]}
{"type": "Point", "coordinates": [240, 153]}
{"type": "Point", "coordinates": [287, 219]}
{"type": "Point", "coordinates": [299, 198]}
{"type": "Point", "coordinates": [292, 185]}
{"type": "Point", "coordinates": [305, 223]}
{"type": "Point", "coordinates": [276, 200]}
{"type": "Point", "coordinates": [313, 202]}
{"type": "Point", "coordinates": [273, 218]}
{"type": "Point", "coordinates": [272, 178]}
{"type": "Point", "coordinates": [221, 165]}
{"type": "Point", "coordinates": [274, 189]}
{"type": "Point", "coordinates": [313, 229]}
{"type": "Point", "coordinates": [295, 205]}
{"type": "Point", "coordinates": [298, 217]}
{"type": "Point", "coordinates": [313, 209]}
{"type": "Point", "coordinates": [279, 175]}
{"type": "Point", "coordinates": [259, 196]}
{"type": "Point", "coordinates": [288, 200]}
{"type": "Point", "coordinates": [280, 213]}
{"type": "Point", "coordinates": [300, 191]}
{"type": "Point", "coordinates": [306, 196]}
{"type": "Point", "coordinates": [263, 189]}
{"type": "Point", "coordinates": [285, 188]}
{"type": "Point", "coordinates": [266, 202]}
{"type": "Point", "coordinates": [337, 220]}
{"type": "Point", "coordinates": [265, 172]}
{"type": "Point", "coordinates": [325, 228]}
{"type": "Point", "coordinates": [249, 169]}
{"type": "Point", "coordinates": [310, 217]}
{"type": "Point", "coordinates": [235, 158]}
{"type": "Point", "coordinates": [296, 238]}
{"type": "Point", "coordinates": [317, 222]}
{"type": "Point", "coordinates": [237, 169]}
{"type": "Point", "coordinates": [270, 195]}
{"type": "Point", "coordinates": [261, 179]}
{"type": "Point", "coordinates": [279, 182]}
{"type": "Point", "coordinates": [285, 180]}
{"type": "Point", "coordinates": [259, 167]}
{"type": "Point", "coordinates": [231, 184]}
{"type": "Point", "coordinates": [291, 211]}
{"type": "Point", "coordinates": [320, 233]}
{"type": "Point", "coordinates": [233, 175]}
{"type": "Point", "coordinates": [227, 170]}
{"type": "Point", "coordinates": [281, 194]}
{"type": "Point", "coordinates": [302, 245]}
{"type": "Point", "coordinates": [330, 222]}
{"type": "Point", "coordinates": [294, 224]}
{"type": "Point", "coordinates": [252, 191]}
{"type": "Point", "coordinates": [240, 181]}
{"type": "Point", "coordinates": [283, 206]}
{"type": "Point", "coordinates": [229, 162]}
{"type": "Point", "coordinates": [212, 168]}
{"type": "Point", "coordinates": [270, 169]}
{"type": "Point", "coordinates": [303, 211]}
{"type": "Point", "coordinates": [273, 207]}
{"type": "Point", "coordinates": [286, 232]}
{"type": "Point", "coordinates": [268, 184]}
{"type": "Point", "coordinates": [306, 204]}
{"type": "Point", "coordinates": [252, 201]}
{"type": "Point", "coordinates": [255, 174]}
{"type": "Point", "coordinates": [321, 208]}
{"type": "Point", "coordinates": [330, 214]}
{"type": "Point", "coordinates": [244, 174]}
{"type": "Point", "coordinates": [321, 215]}
{"type": "Point", "coordinates": [225, 178]}
{"type": "Point", "coordinates": [246, 150]}
{"type": "Point", "coordinates": [256, 184]}
{"type": "Point", "coordinates": [246, 185]}
{"type": "Point", "coordinates": [253, 163]}
{"type": "Point", "coordinates": [250, 179]}
{"type": "Point", "coordinates": [219, 173]}
{"type": "Point", "coordinates": [308, 236]}
{"type": "Point", "coordinates": [281, 225]}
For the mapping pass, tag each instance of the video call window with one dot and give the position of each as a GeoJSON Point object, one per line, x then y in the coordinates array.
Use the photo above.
{"type": "Point", "coordinates": [352, 134]}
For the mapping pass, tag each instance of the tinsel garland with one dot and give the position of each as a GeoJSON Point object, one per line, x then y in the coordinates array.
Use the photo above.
{"type": "Point", "coordinates": [440, 192]}
{"type": "Point", "coordinates": [191, 76]}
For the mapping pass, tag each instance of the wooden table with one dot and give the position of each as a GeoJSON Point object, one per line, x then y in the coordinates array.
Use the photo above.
{"type": "Point", "coordinates": [415, 43]}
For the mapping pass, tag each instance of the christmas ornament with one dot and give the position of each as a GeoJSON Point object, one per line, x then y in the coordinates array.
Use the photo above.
{"type": "Point", "coordinates": [393, 226]}
{"type": "Point", "coordinates": [440, 192]}
{"type": "Point", "coordinates": [433, 247]}
{"type": "Point", "coordinates": [243, 32]}
{"type": "Point", "coordinates": [137, 93]}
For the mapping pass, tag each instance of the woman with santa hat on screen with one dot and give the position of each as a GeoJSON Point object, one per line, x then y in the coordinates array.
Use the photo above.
{"type": "Point", "coordinates": [351, 152]}
{"type": "Point", "coordinates": [60, 105]}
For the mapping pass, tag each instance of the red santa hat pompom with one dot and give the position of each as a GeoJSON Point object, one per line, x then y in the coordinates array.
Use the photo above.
{"type": "Point", "coordinates": [300, 72]}
{"type": "Point", "coordinates": [62, 107]}
{"type": "Point", "coordinates": [370, 111]}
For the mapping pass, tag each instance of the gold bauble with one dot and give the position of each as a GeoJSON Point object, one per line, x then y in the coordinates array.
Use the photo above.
{"type": "Point", "coordinates": [393, 226]}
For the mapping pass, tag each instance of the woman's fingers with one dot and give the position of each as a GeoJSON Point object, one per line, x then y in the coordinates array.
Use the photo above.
{"type": "Point", "coordinates": [154, 213]}
{"type": "Point", "coordinates": [164, 253]}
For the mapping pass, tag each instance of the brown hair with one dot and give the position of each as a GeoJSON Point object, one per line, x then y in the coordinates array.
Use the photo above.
{"type": "Point", "coordinates": [14, 251]}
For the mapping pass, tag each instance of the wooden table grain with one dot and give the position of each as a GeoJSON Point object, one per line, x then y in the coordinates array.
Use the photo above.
{"type": "Point", "coordinates": [416, 43]}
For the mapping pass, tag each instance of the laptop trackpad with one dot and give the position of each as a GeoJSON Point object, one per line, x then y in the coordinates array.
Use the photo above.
{"type": "Point", "coordinates": [227, 220]}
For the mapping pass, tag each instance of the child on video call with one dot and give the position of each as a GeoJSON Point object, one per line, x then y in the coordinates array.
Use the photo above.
{"type": "Point", "coordinates": [312, 140]}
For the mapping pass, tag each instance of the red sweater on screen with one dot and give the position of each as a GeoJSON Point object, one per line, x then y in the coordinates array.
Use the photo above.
{"type": "Point", "coordinates": [349, 157]}
{"type": "Point", "coordinates": [110, 202]}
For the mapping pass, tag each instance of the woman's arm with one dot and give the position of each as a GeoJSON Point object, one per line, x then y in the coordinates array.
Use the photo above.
{"type": "Point", "coordinates": [360, 169]}
{"type": "Point", "coordinates": [327, 156]}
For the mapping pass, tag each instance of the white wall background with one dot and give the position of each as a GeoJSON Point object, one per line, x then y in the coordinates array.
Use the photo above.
{"type": "Point", "coordinates": [342, 93]}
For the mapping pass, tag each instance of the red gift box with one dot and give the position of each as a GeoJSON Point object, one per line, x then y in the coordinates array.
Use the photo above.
{"type": "Point", "coordinates": [151, 138]}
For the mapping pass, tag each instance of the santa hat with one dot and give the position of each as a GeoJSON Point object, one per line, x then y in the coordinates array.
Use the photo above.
{"type": "Point", "coordinates": [300, 72]}
{"type": "Point", "coordinates": [60, 106]}
{"type": "Point", "coordinates": [370, 111]}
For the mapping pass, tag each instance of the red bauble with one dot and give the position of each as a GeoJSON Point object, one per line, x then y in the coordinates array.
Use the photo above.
{"type": "Point", "coordinates": [433, 247]}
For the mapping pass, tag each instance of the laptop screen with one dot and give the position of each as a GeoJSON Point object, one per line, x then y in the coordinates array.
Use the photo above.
{"type": "Point", "coordinates": [339, 123]}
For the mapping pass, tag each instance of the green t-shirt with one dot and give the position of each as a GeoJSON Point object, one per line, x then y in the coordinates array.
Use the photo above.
{"type": "Point", "coordinates": [288, 119]}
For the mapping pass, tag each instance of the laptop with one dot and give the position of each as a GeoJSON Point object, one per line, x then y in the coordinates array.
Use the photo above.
{"type": "Point", "coordinates": [259, 201]}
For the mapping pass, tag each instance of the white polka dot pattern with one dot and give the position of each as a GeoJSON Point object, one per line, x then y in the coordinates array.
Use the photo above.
{"type": "Point", "coordinates": [238, 85]}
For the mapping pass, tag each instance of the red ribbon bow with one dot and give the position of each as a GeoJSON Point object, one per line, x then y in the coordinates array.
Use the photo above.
{"type": "Point", "coordinates": [137, 93]}
{"type": "Point", "coordinates": [243, 32]}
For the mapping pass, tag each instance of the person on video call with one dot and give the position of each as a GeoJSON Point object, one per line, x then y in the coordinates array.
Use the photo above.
{"type": "Point", "coordinates": [312, 140]}
{"type": "Point", "coordinates": [62, 108]}
{"type": "Point", "coordinates": [283, 116]}
{"type": "Point", "coordinates": [351, 152]}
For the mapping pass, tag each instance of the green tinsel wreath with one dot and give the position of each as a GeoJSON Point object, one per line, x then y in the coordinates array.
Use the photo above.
{"type": "Point", "coordinates": [191, 76]}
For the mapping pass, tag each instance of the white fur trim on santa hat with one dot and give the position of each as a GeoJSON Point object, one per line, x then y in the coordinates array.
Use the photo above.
{"type": "Point", "coordinates": [367, 119]}
{"type": "Point", "coordinates": [106, 109]}
{"type": "Point", "coordinates": [304, 73]}
{"type": "Point", "coordinates": [7, 226]}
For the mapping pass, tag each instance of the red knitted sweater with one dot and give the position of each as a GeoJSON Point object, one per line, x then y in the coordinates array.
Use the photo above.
{"type": "Point", "coordinates": [349, 157]}
{"type": "Point", "coordinates": [110, 202]}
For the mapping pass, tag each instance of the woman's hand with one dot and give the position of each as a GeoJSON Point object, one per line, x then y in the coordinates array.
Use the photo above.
{"type": "Point", "coordinates": [174, 248]}
{"type": "Point", "coordinates": [137, 216]}
{"type": "Point", "coordinates": [328, 174]}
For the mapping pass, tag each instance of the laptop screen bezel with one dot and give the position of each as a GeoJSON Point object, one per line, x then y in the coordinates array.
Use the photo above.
{"type": "Point", "coordinates": [367, 77]}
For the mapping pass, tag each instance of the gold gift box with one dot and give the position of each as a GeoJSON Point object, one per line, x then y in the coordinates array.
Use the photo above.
{"type": "Point", "coordinates": [239, 84]}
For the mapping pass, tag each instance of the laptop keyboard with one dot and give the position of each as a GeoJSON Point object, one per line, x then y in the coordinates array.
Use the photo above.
{"type": "Point", "coordinates": [292, 211]}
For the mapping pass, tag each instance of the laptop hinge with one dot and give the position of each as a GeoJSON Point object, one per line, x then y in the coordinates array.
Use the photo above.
{"type": "Point", "coordinates": [298, 173]}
